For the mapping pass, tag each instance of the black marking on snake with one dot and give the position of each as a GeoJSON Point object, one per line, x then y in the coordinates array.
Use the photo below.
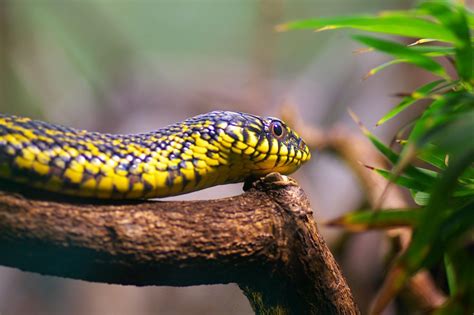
{"type": "Point", "coordinates": [270, 145]}
{"type": "Point", "coordinates": [210, 154]}
{"type": "Point", "coordinates": [278, 156]}
{"type": "Point", "coordinates": [291, 159]}
{"type": "Point", "coordinates": [232, 134]}
{"type": "Point", "coordinates": [147, 186]}
{"type": "Point", "coordinates": [245, 135]}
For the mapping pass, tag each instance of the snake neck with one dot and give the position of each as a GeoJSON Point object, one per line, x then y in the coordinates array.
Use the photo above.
{"type": "Point", "coordinates": [170, 161]}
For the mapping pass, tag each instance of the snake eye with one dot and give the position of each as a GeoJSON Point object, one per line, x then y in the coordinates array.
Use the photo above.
{"type": "Point", "coordinates": [278, 130]}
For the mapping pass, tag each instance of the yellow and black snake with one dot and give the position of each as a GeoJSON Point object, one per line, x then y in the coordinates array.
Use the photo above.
{"type": "Point", "coordinates": [216, 148]}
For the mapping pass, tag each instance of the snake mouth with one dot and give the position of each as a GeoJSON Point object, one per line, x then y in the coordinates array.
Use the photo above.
{"type": "Point", "coordinates": [296, 163]}
{"type": "Point", "coordinates": [283, 164]}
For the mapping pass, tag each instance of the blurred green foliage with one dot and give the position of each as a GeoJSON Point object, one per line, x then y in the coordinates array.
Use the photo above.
{"type": "Point", "coordinates": [54, 52]}
{"type": "Point", "coordinates": [48, 44]}
{"type": "Point", "coordinates": [437, 155]}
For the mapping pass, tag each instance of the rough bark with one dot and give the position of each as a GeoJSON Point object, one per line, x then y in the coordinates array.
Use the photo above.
{"type": "Point", "coordinates": [266, 240]}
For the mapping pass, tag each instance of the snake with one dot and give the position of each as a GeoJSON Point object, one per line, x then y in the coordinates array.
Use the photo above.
{"type": "Point", "coordinates": [219, 147]}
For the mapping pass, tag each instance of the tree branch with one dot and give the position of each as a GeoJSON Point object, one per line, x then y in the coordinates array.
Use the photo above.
{"type": "Point", "coordinates": [265, 240]}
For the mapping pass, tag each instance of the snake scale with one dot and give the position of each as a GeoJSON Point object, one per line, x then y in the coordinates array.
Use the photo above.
{"type": "Point", "coordinates": [216, 148]}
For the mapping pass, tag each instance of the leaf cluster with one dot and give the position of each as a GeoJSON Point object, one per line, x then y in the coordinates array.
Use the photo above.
{"type": "Point", "coordinates": [436, 162]}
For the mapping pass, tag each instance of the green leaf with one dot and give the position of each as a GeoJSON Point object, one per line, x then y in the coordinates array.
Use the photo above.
{"type": "Point", "coordinates": [450, 275]}
{"type": "Point", "coordinates": [402, 52]}
{"type": "Point", "coordinates": [441, 137]}
{"type": "Point", "coordinates": [448, 138]}
{"type": "Point", "coordinates": [451, 135]}
{"type": "Point", "coordinates": [433, 51]}
{"type": "Point", "coordinates": [457, 224]}
{"type": "Point", "coordinates": [433, 155]}
{"type": "Point", "coordinates": [390, 154]}
{"type": "Point", "coordinates": [410, 183]}
{"type": "Point", "coordinates": [459, 272]}
{"type": "Point", "coordinates": [451, 307]}
{"type": "Point", "coordinates": [430, 239]}
{"type": "Point", "coordinates": [421, 198]}
{"type": "Point", "coordinates": [383, 66]}
{"type": "Point", "coordinates": [470, 19]}
{"type": "Point", "coordinates": [443, 111]}
{"type": "Point", "coordinates": [408, 25]}
{"type": "Point", "coordinates": [454, 18]}
{"type": "Point", "coordinates": [379, 219]}
{"type": "Point", "coordinates": [420, 188]}
{"type": "Point", "coordinates": [418, 94]}
{"type": "Point", "coordinates": [435, 230]}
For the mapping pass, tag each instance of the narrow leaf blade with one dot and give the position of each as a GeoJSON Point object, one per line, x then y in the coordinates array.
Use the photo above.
{"type": "Point", "coordinates": [402, 52]}
{"type": "Point", "coordinates": [418, 94]}
{"type": "Point", "coordinates": [364, 220]}
{"type": "Point", "coordinates": [408, 25]}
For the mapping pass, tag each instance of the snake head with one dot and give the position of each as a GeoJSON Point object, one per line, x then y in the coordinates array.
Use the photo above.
{"type": "Point", "coordinates": [280, 148]}
{"type": "Point", "coordinates": [261, 145]}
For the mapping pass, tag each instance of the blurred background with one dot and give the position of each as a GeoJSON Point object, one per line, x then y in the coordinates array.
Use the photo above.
{"type": "Point", "coordinates": [132, 66]}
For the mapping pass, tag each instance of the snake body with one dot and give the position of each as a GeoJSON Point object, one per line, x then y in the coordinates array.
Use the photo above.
{"type": "Point", "coordinates": [210, 149]}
